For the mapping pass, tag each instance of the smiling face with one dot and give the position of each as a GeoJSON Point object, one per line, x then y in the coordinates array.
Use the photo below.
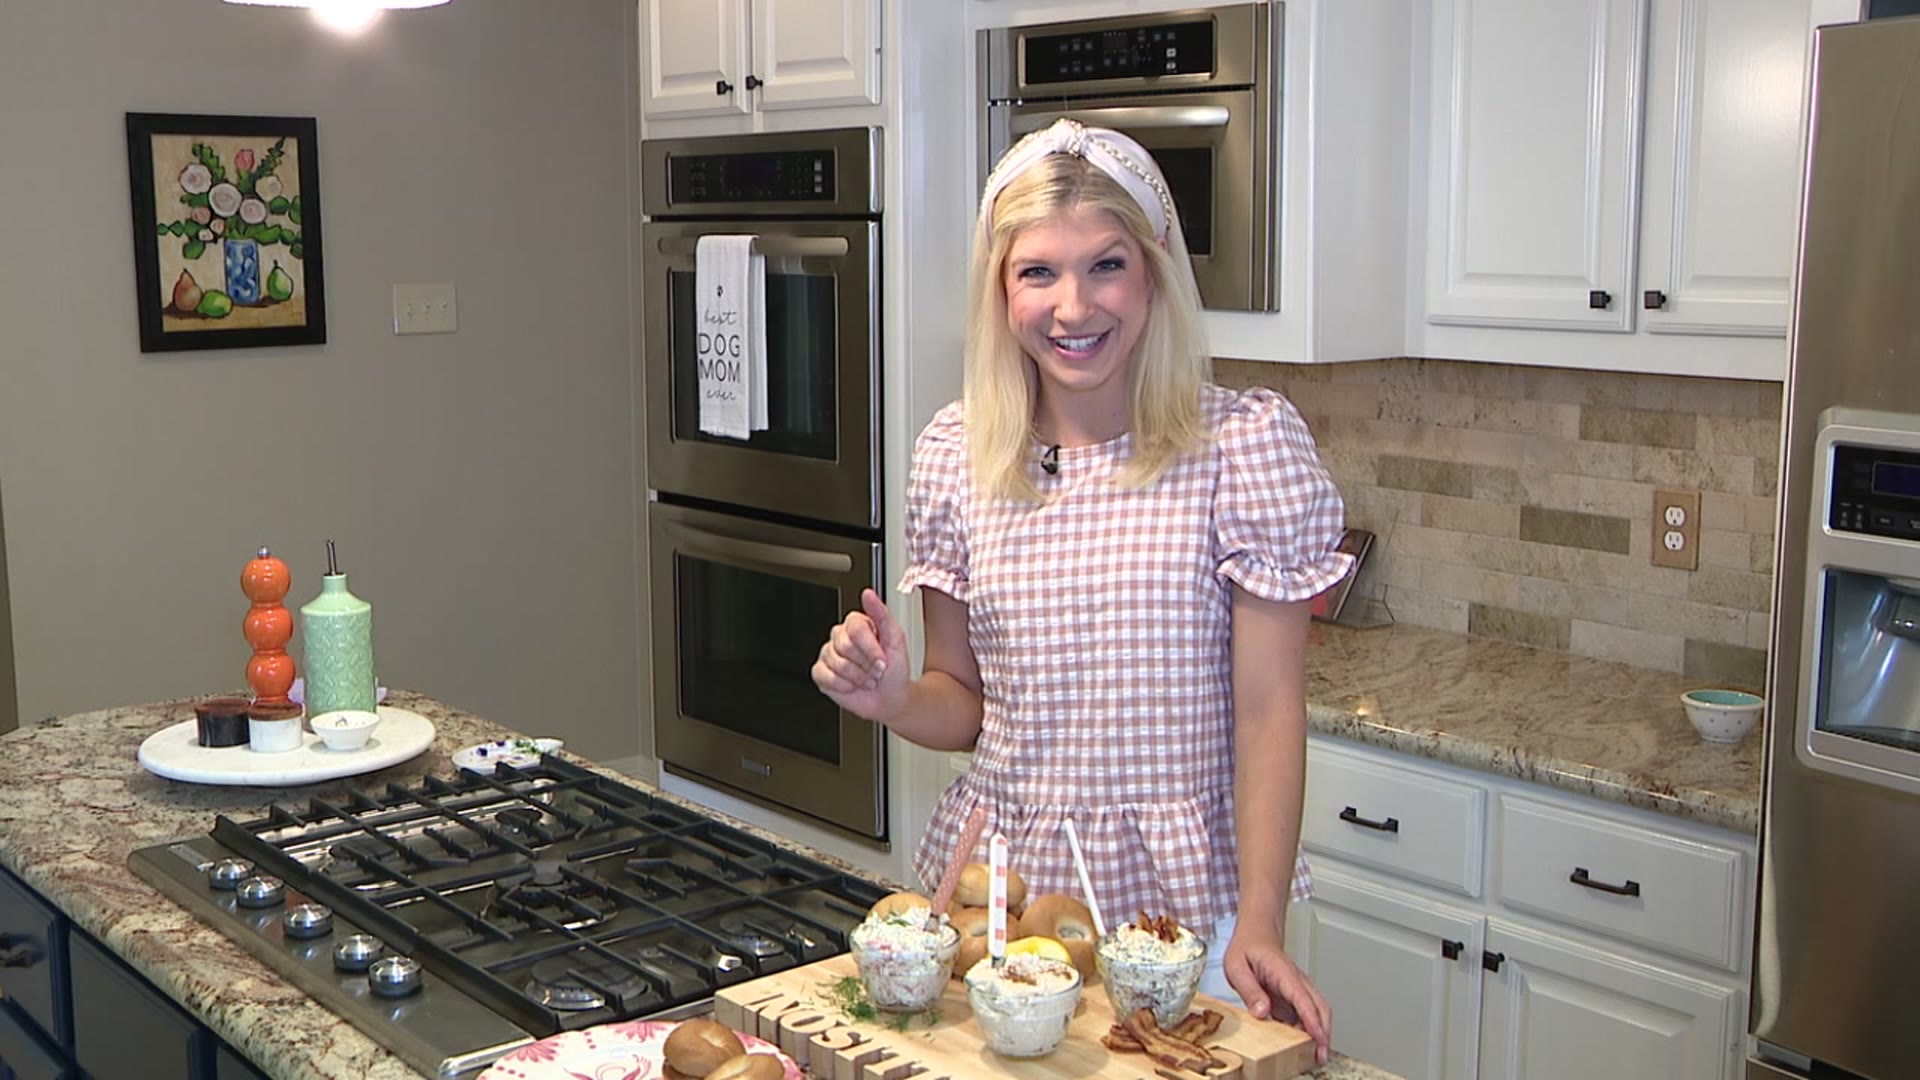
{"type": "Point", "coordinates": [1078, 295]}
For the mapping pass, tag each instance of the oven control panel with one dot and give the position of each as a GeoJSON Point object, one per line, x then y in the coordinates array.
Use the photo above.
{"type": "Point", "coordinates": [1875, 490]}
{"type": "Point", "coordinates": [766, 176]}
{"type": "Point", "coordinates": [1168, 48]}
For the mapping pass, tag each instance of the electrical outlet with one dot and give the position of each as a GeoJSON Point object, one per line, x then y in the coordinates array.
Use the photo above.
{"type": "Point", "coordinates": [424, 309]}
{"type": "Point", "coordinates": [1676, 529]}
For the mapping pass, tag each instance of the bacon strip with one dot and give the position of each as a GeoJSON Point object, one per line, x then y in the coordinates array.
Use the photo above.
{"type": "Point", "coordinates": [1162, 1047]}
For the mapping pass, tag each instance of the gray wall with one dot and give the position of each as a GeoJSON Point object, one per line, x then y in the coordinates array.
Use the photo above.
{"type": "Point", "coordinates": [480, 485]}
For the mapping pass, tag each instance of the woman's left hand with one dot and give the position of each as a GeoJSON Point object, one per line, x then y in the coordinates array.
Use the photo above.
{"type": "Point", "coordinates": [1272, 985]}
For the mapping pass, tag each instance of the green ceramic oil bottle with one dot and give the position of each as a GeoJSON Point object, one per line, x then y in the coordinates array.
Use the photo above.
{"type": "Point", "coordinates": [336, 629]}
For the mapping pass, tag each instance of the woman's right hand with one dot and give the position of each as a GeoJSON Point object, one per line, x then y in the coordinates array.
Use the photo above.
{"type": "Point", "coordinates": [863, 665]}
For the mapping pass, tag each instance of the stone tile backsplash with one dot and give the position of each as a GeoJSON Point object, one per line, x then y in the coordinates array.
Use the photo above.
{"type": "Point", "coordinates": [1516, 502]}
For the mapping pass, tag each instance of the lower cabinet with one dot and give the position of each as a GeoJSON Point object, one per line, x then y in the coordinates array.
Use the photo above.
{"type": "Point", "coordinates": [1558, 1010]}
{"type": "Point", "coordinates": [1598, 942]}
{"type": "Point", "coordinates": [71, 1010]}
{"type": "Point", "coordinates": [1401, 973]}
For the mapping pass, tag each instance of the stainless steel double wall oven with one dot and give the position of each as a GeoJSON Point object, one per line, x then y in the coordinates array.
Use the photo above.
{"type": "Point", "coordinates": [759, 546]}
{"type": "Point", "coordinates": [1199, 89]}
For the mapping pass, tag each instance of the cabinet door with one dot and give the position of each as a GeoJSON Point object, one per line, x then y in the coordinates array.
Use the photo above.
{"type": "Point", "coordinates": [810, 53]}
{"type": "Point", "coordinates": [1379, 957]}
{"type": "Point", "coordinates": [1533, 162]}
{"type": "Point", "coordinates": [1558, 1010]}
{"type": "Point", "coordinates": [1721, 184]}
{"type": "Point", "coordinates": [122, 1026]}
{"type": "Point", "coordinates": [693, 58]}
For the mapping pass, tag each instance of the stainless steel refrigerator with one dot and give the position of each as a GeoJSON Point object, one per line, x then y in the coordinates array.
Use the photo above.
{"type": "Point", "coordinates": [1836, 984]}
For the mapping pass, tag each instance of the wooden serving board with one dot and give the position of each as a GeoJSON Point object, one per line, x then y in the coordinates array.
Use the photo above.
{"type": "Point", "coordinates": [792, 1010]}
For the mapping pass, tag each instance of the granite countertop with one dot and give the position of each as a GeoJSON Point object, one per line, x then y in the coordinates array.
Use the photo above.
{"type": "Point", "coordinates": [74, 804]}
{"type": "Point", "coordinates": [1588, 726]}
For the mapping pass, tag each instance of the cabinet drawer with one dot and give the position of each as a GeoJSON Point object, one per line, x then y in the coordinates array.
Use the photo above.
{"type": "Point", "coordinates": [1677, 895]}
{"type": "Point", "coordinates": [1405, 822]}
{"type": "Point", "coordinates": [32, 941]}
{"type": "Point", "coordinates": [24, 1052]}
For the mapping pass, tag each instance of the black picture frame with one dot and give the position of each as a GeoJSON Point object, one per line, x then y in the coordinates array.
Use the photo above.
{"type": "Point", "coordinates": [212, 194]}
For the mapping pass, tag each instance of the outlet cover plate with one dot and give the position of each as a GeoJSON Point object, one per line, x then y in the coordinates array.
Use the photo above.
{"type": "Point", "coordinates": [1687, 555]}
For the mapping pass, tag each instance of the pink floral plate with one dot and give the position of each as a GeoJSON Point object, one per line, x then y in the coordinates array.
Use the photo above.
{"type": "Point", "coordinates": [631, 1051]}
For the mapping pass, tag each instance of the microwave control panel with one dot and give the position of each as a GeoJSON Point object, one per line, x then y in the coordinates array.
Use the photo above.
{"type": "Point", "coordinates": [1171, 48]}
{"type": "Point", "coordinates": [1875, 490]}
{"type": "Point", "coordinates": [767, 176]}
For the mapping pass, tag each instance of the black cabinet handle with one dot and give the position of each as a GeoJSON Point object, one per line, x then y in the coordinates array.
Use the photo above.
{"type": "Point", "coordinates": [722, 87]}
{"type": "Point", "coordinates": [1655, 299]}
{"type": "Point", "coordinates": [1352, 817]}
{"type": "Point", "coordinates": [1599, 299]}
{"type": "Point", "coordinates": [1492, 960]}
{"type": "Point", "coordinates": [1451, 949]}
{"type": "Point", "coordinates": [18, 955]}
{"type": "Point", "coordinates": [1579, 877]}
{"type": "Point", "coordinates": [754, 82]}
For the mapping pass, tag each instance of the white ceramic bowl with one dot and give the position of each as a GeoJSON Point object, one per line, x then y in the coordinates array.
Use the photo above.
{"type": "Point", "coordinates": [1723, 716]}
{"type": "Point", "coordinates": [345, 729]}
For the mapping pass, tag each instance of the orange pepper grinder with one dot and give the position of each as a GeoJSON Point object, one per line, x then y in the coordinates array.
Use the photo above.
{"type": "Point", "coordinates": [268, 627]}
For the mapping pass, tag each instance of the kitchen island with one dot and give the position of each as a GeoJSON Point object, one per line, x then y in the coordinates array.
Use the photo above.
{"type": "Point", "coordinates": [74, 804]}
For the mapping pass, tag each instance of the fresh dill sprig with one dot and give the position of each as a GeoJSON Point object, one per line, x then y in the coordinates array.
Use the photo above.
{"type": "Point", "coordinates": [849, 995]}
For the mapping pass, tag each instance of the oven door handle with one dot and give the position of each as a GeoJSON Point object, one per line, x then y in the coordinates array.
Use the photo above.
{"type": "Point", "coordinates": [765, 554]}
{"type": "Point", "coordinates": [805, 247]}
{"type": "Point", "coordinates": [1122, 117]}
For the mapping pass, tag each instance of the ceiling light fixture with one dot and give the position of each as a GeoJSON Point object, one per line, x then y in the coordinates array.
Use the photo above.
{"type": "Point", "coordinates": [347, 15]}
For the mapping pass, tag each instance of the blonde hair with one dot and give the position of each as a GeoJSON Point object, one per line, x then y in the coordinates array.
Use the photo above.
{"type": "Point", "coordinates": [1171, 360]}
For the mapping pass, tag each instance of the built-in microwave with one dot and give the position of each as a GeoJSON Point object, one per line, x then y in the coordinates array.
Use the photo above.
{"type": "Point", "coordinates": [1199, 89]}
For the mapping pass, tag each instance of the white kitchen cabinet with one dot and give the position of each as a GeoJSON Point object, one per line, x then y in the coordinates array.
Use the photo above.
{"type": "Point", "coordinates": [1606, 166]}
{"type": "Point", "coordinates": [1598, 941]}
{"type": "Point", "coordinates": [1401, 974]}
{"type": "Point", "coordinates": [1558, 1010]}
{"type": "Point", "coordinates": [705, 58]}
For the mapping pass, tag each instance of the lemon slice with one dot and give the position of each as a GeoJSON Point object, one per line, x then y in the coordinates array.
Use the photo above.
{"type": "Point", "coordinates": [1039, 945]}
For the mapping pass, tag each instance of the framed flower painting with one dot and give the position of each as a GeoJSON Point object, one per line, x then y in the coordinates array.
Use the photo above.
{"type": "Point", "coordinates": [226, 231]}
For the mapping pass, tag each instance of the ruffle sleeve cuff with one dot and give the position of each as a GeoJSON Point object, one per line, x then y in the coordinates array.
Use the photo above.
{"type": "Point", "coordinates": [1278, 515]}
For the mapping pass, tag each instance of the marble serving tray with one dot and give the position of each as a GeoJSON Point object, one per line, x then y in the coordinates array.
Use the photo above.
{"type": "Point", "coordinates": [176, 754]}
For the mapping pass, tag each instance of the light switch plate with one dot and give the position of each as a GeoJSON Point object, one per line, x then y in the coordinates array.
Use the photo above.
{"type": "Point", "coordinates": [424, 309]}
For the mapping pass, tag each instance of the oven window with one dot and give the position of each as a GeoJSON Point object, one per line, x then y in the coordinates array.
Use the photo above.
{"type": "Point", "coordinates": [747, 644]}
{"type": "Point", "coordinates": [802, 353]}
{"type": "Point", "coordinates": [1189, 173]}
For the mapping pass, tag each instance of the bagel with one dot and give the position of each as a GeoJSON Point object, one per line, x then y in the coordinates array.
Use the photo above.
{"type": "Point", "coordinates": [1066, 921]}
{"type": "Point", "coordinates": [972, 924]}
{"type": "Point", "coordinates": [697, 1047]}
{"type": "Point", "coordinates": [749, 1067]}
{"type": "Point", "coordinates": [974, 883]}
{"type": "Point", "coordinates": [900, 901]}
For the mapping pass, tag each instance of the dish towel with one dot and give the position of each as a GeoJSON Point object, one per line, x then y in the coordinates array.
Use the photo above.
{"type": "Point", "coordinates": [730, 282]}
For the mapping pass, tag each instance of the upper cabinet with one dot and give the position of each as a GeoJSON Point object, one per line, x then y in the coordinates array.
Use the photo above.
{"type": "Point", "coordinates": [1602, 165]}
{"type": "Point", "coordinates": [707, 58]}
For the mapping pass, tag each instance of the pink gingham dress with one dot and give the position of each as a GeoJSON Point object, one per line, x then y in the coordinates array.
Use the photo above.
{"type": "Point", "coordinates": [1101, 622]}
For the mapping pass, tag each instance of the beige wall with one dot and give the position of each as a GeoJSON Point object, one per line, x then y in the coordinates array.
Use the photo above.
{"type": "Point", "coordinates": [480, 484]}
{"type": "Point", "coordinates": [1516, 502]}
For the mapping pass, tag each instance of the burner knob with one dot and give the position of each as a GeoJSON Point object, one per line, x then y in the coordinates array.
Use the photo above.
{"type": "Point", "coordinates": [357, 952]}
{"type": "Point", "coordinates": [261, 892]}
{"type": "Point", "coordinates": [307, 921]}
{"type": "Point", "coordinates": [227, 874]}
{"type": "Point", "coordinates": [394, 976]}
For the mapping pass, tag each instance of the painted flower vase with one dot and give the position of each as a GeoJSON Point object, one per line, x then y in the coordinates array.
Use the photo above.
{"type": "Point", "coordinates": [243, 270]}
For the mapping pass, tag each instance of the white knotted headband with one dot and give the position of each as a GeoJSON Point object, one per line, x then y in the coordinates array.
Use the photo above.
{"type": "Point", "coordinates": [1126, 161]}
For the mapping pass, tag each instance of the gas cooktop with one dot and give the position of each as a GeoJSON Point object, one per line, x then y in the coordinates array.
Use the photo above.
{"type": "Point", "coordinates": [458, 918]}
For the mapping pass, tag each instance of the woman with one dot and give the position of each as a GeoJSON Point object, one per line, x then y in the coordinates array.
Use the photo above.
{"type": "Point", "coordinates": [1114, 559]}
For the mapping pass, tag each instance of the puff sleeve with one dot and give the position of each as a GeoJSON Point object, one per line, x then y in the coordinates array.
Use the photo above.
{"type": "Point", "coordinates": [1277, 515]}
{"type": "Point", "coordinates": [936, 499]}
